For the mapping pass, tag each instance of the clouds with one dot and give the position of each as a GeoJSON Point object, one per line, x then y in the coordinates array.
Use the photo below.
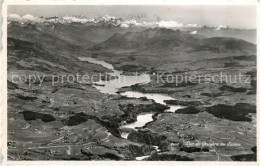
{"type": "Point", "coordinates": [128, 23]}
{"type": "Point", "coordinates": [193, 25]}
{"type": "Point", "coordinates": [221, 26]}
{"type": "Point", "coordinates": [193, 32]}
{"type": "Point", "coordinates": [161, 24]}
{"type": "Point", "coordinates": [169, 24]}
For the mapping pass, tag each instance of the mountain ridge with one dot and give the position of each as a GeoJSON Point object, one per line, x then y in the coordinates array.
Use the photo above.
{"type": "Point", "coordinates": [162, 38]}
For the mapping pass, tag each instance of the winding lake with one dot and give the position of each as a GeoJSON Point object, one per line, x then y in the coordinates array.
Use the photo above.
{"type": "Point", "coordinates": [112, 86]}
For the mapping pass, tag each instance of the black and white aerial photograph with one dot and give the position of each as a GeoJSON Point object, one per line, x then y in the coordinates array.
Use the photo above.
{"type": "Point", "coordinates": [131, 82]}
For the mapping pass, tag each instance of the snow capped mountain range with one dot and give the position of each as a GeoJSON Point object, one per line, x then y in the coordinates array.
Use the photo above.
{"type": "Point", "coordinates": [111, 20]}
{"type": "Point", "coordinates": [109, 24]}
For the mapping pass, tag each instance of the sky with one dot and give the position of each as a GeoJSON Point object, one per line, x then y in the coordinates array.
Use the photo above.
{"type": "Point", "coordinates": [235, 16]}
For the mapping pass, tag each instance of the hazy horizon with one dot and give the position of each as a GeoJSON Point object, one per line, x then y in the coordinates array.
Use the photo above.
{"type": "Point", "coordinates": [233, 16]}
